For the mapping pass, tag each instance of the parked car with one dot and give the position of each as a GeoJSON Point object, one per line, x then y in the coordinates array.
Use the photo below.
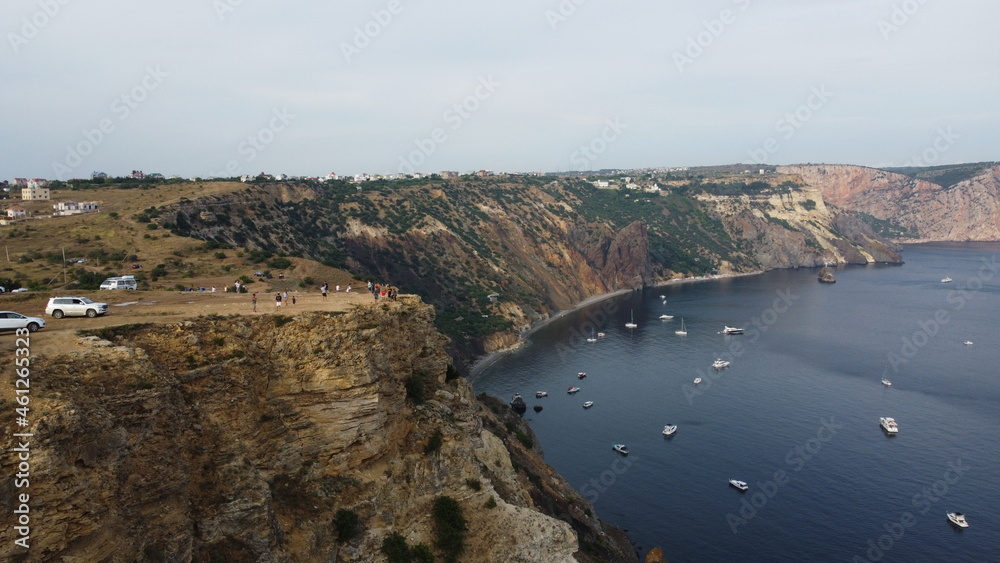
{"type": "Point", "coordinates": [9, 320]}
{"type": "Point", "coordinates": [60, 307]}
{"type": "Point", "coordinates": [19, 290]}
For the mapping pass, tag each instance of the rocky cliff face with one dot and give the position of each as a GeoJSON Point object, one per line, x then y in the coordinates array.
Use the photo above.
{"type": "Point", "coordinates": [966, 210]}
{"type": "Point", "coordinates": [239, 439]}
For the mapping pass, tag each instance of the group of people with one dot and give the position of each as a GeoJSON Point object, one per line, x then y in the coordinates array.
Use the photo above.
{"type": "Point", "coordinates": [325, 289]}
{"type": "Point", "coordinates": [382, 291]}
{"type": "Point", "coordinates": [280, 299]}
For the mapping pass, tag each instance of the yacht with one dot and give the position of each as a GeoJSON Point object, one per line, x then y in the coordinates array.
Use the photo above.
{"type": "Point", "coordinates": [720, 364]}
{"type": "Point", "coordinates": [601, 335]}
{"type": "Point", "coordinates": [572, 389]}
{"type": "Point", "coordinates": [946, 280]}
{"type": "Point", "coordinates": [591, 338]}
{"type": "Point", "coordinates": [889, 424]}
{"type": "Point", "coordinates": [732, 330]}
{"type": "Point", "coordinates": [588, 404]}
{"type": "Point", "coordinates": [540, 394]}
{"type": "Point", "coordinates": [958, 519]}
{"type": "Point", "coordinates": [739, 484]}
{"type": "Point", "coordinates": [683, 331]}
{"type": "Point", "coordinates": [669, 430]}
{"type": "Point", "coordinates": [886, 382]}
{"type": "Point", "coordinates": [697, 381]}
{"type": "Point", "coordinates": [631, 323]}
{"type": "Point", "coordinates": [620, 448]}
{"type": "Point", "coordinates": [581, 375]}
{"type": "Point", "coordinates": [968, 343]}
{"type": "Point", "coordinates": [666, 317]}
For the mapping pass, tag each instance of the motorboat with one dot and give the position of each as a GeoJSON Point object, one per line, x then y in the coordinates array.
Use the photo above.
{"type": "Point", "coordinates": [666, 317]}
{"type": "Point", "coordinates": [581, 375]}
{"type": "Point", "coordinates": [958, 519]}
{"type": "Point", "coordinates": [540, 394]}
{"type": "Point", "coordinates": [620, 448]}
{"type": "Point", "coordinates": [538, 408]}
{"type": "Point", "coordinates": [631, 323]}
{"type": "Point", "coordinates": [886, 382]}
{"type": "Point", "coordinates": [739, 484]}
{"type": "Point", "coordinates": [888, 424]}
{"type": "Point", "coordinates": [669, 430]}
{"type": "Point", "coordinates": [588, 404]}
{"type": "Point", "coordinates": [517, 403]}
{"type": "Point", "coordinates": [663, 297]}
{"type": "Point", "coordinates": [697, 381]}
{"type": "Point", "coordinates": [946, 280]}
{"type": "Point", "coordinates": [720, 364]}
{"type": "Point", "coordinates": [683, 331]}
{"type": "Point", "coordinates": [732, 330]}
{"type": "Point", "coordinates": [572, 389]}
{"type": "Point", "coordinates": [968, 343]}
{"type": "Point", "coordinates": [601, 335]}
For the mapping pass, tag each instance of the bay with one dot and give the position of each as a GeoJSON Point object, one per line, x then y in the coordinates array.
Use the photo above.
{"type": "Point", "coordinates": [796, 415]}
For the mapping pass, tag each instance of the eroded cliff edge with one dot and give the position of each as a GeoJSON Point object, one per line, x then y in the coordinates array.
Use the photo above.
{"type": "Point", "coordinates": [239, 438]}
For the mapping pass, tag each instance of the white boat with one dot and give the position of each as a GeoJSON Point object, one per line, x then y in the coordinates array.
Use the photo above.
{"type": "Point", "coordinates": [581, 375]}
{"type": "Point", "coordinates": [946, 280]}
{"type": "Point", "coordinates": [601, 335]}
{"type": "Point", "coordinates": [889, 424]}
{"type": "Point", "coordinates": [885, 381]}
{"type": "Point", "coordinates": [739, 484]}
{"type": "Point", "coordinates": [669, 430]}
{"type": "Point", "coordinates": [732, 330]}
{"type": "Point", "coordinates": [620, 448]}
{"type": "Point", "coordinates": [631, 323]}
{"type": "Point", "coordinates": [663, 297]}
{"type": "Point", "coordinates": [540, 394]}
{"type": "Point", "coordinates": [968, 343]}
{"type": "Point", "coordinates": [591, 337]}
{"type": "Point", "coordinates": [958, 519]}
{"type": "Point", "coordinates": [683, 331]}
{"type": "Point", "coordinates": [588, 404]}
{"type": "Point", "coordinates": [720, 364]}
{"type": "Point", "coordinates": [697, 381]}
{"type": "Point", "coordinates": [666, 317]}
{"type": "Point", "coordinates": [572, 389]}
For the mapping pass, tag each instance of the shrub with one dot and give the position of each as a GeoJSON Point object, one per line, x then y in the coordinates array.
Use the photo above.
{"type": "Point", "coordinates": [491, 503]}
{"type": "Point", "coordinates": [395, 549]}
{"type": "Point", "coordinates": [347, 524]}
{"type": "Point", "coordinates": [279, 263]}
{"type": "Point", "coordinates": [415, 389]}
{"type": "Point", "coordinates": [434, 443]}
{"type": "Point", "coordinates": [474, 484]}
{"type": "Point", "coordinates": [220, 255]}
{"type": "Point", "coordinates": [449, 528]}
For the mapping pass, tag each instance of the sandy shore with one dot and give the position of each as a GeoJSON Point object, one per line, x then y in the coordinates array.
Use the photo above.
{"type": "Point", "coordinates": [488, 360]}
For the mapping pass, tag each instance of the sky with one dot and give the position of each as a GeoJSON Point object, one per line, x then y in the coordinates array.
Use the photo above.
{"type": "Point", "coordinates": [203, 88]}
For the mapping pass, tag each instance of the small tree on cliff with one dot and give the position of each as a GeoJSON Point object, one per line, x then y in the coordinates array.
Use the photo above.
{"type": "Point", "coordinates": [449, 527]}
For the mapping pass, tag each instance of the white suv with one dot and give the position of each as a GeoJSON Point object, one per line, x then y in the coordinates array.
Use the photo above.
{"type": "Point", "coordinates": [60, 307]}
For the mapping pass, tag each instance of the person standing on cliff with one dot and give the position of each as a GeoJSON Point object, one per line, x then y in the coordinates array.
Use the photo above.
{"type": "Point", "coordinates": [254, 301]}
{"type": "Point", "coordinates": [323, 289]}
{"type": "Point", "coordinates": [277, 301]}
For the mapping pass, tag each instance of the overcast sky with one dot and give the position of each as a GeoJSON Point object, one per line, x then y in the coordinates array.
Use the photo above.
{"type": "Point", "coordinates": [226, 87]}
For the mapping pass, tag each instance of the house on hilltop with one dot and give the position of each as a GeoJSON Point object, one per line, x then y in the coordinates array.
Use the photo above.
{"type": "Point", "coordinates": [16, 212]}
{"type": "Point", "coordinates": [64, 208]}
{"type": "Point", "coordinates": [35, 189]}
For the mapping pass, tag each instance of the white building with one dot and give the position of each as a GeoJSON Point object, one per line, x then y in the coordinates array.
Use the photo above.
{"type": "Point", "coordinates": [74, 208]}
{"type": "Point", "coordinates": [16, 212]}
{"type": "Point", "coordinates": [35, 189]}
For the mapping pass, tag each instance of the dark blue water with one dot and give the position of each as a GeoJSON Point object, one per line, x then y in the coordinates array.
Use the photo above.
{"type": "Point", "coordinates": [795, 415]}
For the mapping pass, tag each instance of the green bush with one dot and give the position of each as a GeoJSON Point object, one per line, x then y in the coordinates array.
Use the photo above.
{"type": "Point", "coordinates": [395, 549]}
{"type": "Point", "coordinates": [434, 443]}
{"type": "Point", "coordinates": [279, 263]}
{"type": "Point", "coordinates": [449, 528]}
{"type": "Point", "coordinates": [347, 524]}
{"type": "Point", "coordinates": [474, 484]}
{"type": "Point", "coordinates": [491, 503]}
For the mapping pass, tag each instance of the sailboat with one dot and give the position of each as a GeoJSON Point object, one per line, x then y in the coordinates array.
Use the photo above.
{"type": "Point", "coordinates": [631, 323]}
{"type": "Point", "coordinates": [683, 331]}
{"type": "Point", "coordinates": [591, 338]}
{"type": "Point", "coordinates": [885, 381]}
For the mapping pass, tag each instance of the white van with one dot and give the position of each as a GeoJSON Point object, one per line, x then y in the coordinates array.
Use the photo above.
{"type": "Point", "coordinates": [123, 282]}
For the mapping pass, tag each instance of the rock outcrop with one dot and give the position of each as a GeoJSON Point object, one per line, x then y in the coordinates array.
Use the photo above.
{"type": "Point", "coordinates": [241, 438]}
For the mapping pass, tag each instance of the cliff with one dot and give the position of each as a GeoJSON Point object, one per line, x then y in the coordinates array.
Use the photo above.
{"type": "Point", "coordinates": [913, 209]}
{"type": "Point", "coordinates": [246, 438]}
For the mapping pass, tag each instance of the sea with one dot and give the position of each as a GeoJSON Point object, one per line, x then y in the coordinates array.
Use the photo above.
{"type": "Point", "coordinates": [795, 415]}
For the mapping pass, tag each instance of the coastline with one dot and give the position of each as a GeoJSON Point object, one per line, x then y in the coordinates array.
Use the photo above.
{"type": "Point", "coordinates": [486, 361]}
